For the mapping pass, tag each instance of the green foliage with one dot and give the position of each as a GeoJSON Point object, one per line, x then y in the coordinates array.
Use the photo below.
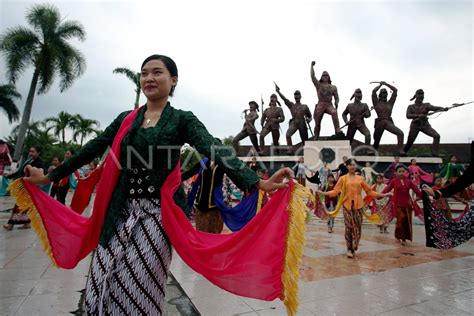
{"type": "Point", "coordinates": [228, 140]}
{"type": "Point", "coordinates": [45, 47]}
{"type": "Point", "coordinates": [83, 128]}
{"type": "Point", "coordinates": [59, 124]}
{"type": "Point", "coordinates": [130, 74]}
{"type": "Point", "coordinates": [134, 77]}
{"type": "Point", "coordinates": [46, 135]}
{"type": "Point", "coordinates": [7, 94]}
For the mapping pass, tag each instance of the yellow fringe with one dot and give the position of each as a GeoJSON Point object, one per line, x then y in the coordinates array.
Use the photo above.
{"type": "Point", "coordinates": [373, 218]}
{"type": "Point", "coordinates": [25, 204]}
{"type": "Point", "coordinates": [294, 246]}
{"type": "Point", "coordinates": [334, 213]}
{"type": "Point", "coordinates": [260, 200]}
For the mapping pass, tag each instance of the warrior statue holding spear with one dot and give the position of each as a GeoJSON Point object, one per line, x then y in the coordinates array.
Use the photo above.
{"type": "Point", "coordinates": [300, 116]}
{"type": "Point", "coordinates": [418, 112]}
{"type": "Point", "coordinates": [358, 111]}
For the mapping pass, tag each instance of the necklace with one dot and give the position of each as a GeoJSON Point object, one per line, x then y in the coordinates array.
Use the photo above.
{"type": "Point", "coordinates": [148, 120]}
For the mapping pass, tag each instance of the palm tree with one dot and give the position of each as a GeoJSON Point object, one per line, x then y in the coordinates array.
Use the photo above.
{"type": "Point", "coordinates": [59, 124]}
{"type": "Point", "coordinates": [44, 47]}
{"type": "Point", "coordinates": [228, 140]}
{"type": "Point", "coordinates": [134, 77]}
{"type": "Point", "coordinates": [36, 134]}
{"type": "Point", "coordinates": [7, 94]}
{"type": "Point", "coordinates": [84, 127]}
{"type": "Point", "coordinates": [31, 128]}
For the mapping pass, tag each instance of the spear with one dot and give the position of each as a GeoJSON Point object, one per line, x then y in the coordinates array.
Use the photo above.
{"type": "Point", "coordinates": [393, 82]}
{"type": "Point", "coordinates": [455, 105]}
{"type": "Point", "coordinates": [353, 120]}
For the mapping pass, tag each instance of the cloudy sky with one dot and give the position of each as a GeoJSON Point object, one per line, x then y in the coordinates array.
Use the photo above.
{"type": "Point", "coordinates": [229, 53]}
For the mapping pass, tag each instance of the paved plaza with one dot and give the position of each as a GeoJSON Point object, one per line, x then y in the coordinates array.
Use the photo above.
{"type": "Point", "coordinates": [384, 279]}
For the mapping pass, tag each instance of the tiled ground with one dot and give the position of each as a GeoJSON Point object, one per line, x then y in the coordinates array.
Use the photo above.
{"type": "Point", "coordinates": [30, 285]}
{"type": "Point", "coordinates": [384, 279]}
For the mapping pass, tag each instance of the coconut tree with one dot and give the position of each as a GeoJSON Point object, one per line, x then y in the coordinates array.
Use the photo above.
{"type": "Point", "coordinates": [228, 140]}
{"type": "Point", "coordinates": [7, 94]}
{"type": "Point", "coordinates": [31, 128]}
{"type": "Point", "coordinates": [45, 47]}
{"type": "Point", "coordinates": [134, 77]}
{"type": "Point", "coordinates": [84, 127]}
{"type": "Point", "coordinates": [60, 123]}
{"type": "Point", "coordinates": [36, 134]}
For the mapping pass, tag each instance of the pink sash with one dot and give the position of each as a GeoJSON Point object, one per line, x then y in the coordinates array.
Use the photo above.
{"type": "Point", "coordinates": [259, 261]}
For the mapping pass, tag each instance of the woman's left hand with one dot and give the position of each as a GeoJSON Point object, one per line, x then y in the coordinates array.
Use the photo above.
{"type": "Point", "coordinates": [277, 180]}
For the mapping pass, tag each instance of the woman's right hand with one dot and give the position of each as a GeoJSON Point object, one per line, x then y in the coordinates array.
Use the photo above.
{"type": "Point", "coordinates": [35, 176]}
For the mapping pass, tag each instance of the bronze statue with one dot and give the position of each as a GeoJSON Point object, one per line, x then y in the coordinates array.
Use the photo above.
{"type": "Point", "coordinates": [326, 91]}
{"type": "Point", "coordinates": [418, 113]}
{"type": "Point", "coordinates": [249, 127]}
{"type": "Point", "coordinates": [300, 117]}
{"type": "Point", "coordinates": [384, 115]}
{"type": "Point", "coordinates": [271, 119]}
{"type": "Point", "coordinates": [358, 111]}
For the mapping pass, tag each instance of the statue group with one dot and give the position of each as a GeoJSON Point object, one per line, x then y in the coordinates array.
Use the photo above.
{"type": "Point", "coordinates": [273, 116]}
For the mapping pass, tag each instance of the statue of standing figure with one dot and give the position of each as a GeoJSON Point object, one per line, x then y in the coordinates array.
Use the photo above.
{"type": "Point", "coordinates": [301, 115]}
{"type": "Point", "coordinates": [326, 91]}
{"type": "Point", "coordinates": [418, 113]}
{"type": "Point", "coordinates": [271, 119]}
{"type": "Point", "coordinates": [384, 120]}
{"type": "Point", "coordinates": [358, 111]}
{"type": "Point", "coordinates": [249, 128]}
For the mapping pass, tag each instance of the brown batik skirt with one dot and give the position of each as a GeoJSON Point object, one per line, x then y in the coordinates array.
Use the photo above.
{"type": "Point", "coordinates": [403, 229]}
{"type": "Point", "coordinates": [209, 221]}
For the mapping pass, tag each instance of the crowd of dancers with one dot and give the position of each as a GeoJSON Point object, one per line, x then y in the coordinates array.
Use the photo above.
{"type": "Point", "coordinates": [394, 193]}
{"type": "Point", "coordinates": [139, 210]}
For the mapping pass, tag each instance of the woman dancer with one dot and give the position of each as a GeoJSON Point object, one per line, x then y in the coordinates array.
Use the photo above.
{"type": "Point", "coordinates": [368, 172]}
{"type": "Point", "coordinates": [452, 170]}
{"type": "Point", "coordinates": [379, 186]}
{"type": "Point", "coordinates": [442, 233]}
{"type": "Point", "coordinates": [131, 264]}
{"type": "Point", "coordinates": [418, 175]}
{"type": "Point", "coordinates": [34, 160]}
{"type": "Point", "coordinates": [403, 204]}
{"type": "Point", "coordinates": [330, 202]}
{"type": "Point", "coordinates": [350, 186]}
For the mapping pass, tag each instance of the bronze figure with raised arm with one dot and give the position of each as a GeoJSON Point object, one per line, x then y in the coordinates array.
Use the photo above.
{"type": "Point", "coordinates": [326, 91]}
{"type": "Point", "coordinates": [300, 116]}
{"type": "Point", "coordinates": [384, 121]}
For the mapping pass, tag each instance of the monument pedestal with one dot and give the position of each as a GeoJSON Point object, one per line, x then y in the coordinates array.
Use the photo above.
{"type": "Point", "coordinates": [330, 151]}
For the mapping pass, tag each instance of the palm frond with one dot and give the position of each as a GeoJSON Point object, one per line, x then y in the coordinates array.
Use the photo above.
{"type": "Point", "coordinates": [46, 68]}
{"type": "Point", "coordinates": [71, 29]}
{"type": "Point", "coordinates": [130, 74]}
{"type": "Point", "coordinates": [19, 45]}
{"type": "Point", "coordinates": [7, 94]}
{"type": "Point", "coordinates": [71, 64]}
{"type": "Point", "coordinates": [44, 18]}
